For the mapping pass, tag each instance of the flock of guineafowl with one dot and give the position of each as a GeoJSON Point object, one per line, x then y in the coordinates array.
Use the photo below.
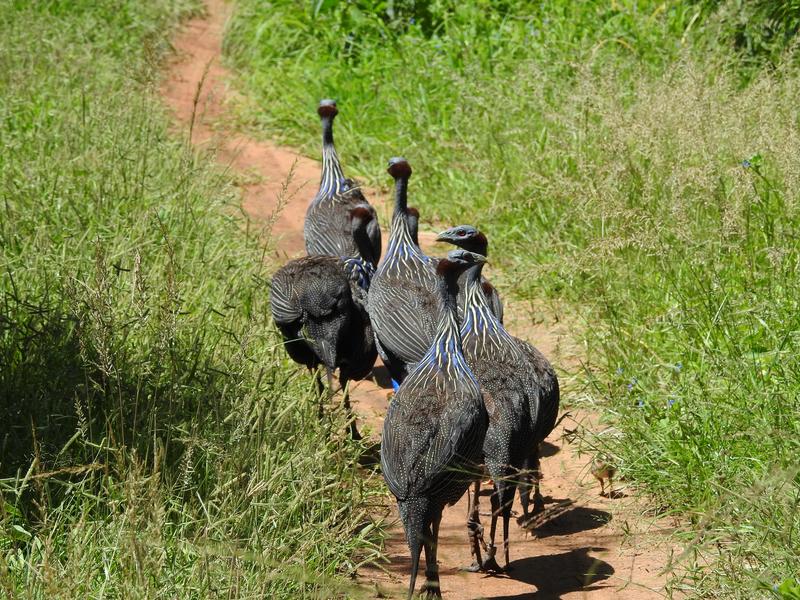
{"type": "Point", "coordinates": [467, 393]}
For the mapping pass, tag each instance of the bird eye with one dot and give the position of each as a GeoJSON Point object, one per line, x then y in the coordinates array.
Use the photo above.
{"type": "Point", "coordinates": [461, 232]}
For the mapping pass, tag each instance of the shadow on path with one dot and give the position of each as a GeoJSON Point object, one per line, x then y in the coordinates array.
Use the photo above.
{"type": "Point", "coordinates": [557, 574]}
{"type": "Point", "coordinates": [564, 518]}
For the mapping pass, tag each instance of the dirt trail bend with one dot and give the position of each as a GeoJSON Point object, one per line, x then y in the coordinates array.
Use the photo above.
{"type": "Point", "coordinates": [586, 546]}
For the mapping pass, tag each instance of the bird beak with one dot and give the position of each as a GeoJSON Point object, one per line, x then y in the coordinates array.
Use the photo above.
{"type": "Point", "coordinates": [443, 237]}
{"type": "Point", "coordinates": [479, 258]}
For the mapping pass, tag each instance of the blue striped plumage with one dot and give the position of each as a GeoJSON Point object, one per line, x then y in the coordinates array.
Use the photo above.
{"type": "Point", "coordinates": [435, 427]}
{"type": "Point", "coordinates": [403, 297]}
{"type": "Point", "coordinates": [520, 390]}
{"type": "Point", "coordinates": [327, 228]}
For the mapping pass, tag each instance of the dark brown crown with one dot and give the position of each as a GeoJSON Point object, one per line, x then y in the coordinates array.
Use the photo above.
{"type": "Point", "coordinates": [399, 168]}
{"type": "Point", "coordinates": [327, 108]}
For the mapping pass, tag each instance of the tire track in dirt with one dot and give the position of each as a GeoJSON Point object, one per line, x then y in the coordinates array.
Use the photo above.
{"type": "Point", "coordinates": [589, 546]}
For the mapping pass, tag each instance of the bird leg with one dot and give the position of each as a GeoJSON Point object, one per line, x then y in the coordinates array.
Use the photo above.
{"type": "Point", "coordinates": [431, 588]}
{"type": "Point", "coordinates": [506, 519]}
{"type": "Point", "coordinates": [524, 489]}
{"type": "Point", "coordinates": [320, 388]}
{"type": "Point", "coordinates": [490, 564]}
{"type": "Point", "coordinates": [474, 529]}
{"type": "Point", "coordinates": [538, 500]}
{"type": "Point", "coordinates": [354, 433]}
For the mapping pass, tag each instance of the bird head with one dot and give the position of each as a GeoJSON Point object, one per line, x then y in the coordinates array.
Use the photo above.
{"type": "Point", "coordinates": [466, 237]}
{"type": "Point", "coordinates": [458, 261]}
{"type": "Point", "coordinates": [360, 216]}
{"type": "Point", "coordinates": [399, 168]}
{"type": "Point", "coordinates": [327, 108]}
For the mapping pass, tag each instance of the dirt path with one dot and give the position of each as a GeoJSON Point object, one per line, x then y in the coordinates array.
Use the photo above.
{"type": "Point", "coordinates": [587, 546]}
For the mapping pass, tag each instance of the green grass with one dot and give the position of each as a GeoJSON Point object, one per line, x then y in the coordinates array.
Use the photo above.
{"type": "Point", "coordinates": [601, 145]}
{"type": "Point", "coordinates": [156, 442]}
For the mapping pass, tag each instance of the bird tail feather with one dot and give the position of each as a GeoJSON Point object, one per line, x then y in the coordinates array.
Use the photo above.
{"type": "Point", "coordinates": [414, 513]}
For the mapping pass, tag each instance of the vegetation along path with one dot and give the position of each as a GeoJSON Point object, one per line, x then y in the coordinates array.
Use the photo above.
{"type": "Point", "coordinates": [585, 545]}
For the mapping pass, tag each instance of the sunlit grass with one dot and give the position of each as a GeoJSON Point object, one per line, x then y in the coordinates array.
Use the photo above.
{"type": "Point", "coordinates": [630, 162]}
{"type": "Point", "coordinates": [155, 440]}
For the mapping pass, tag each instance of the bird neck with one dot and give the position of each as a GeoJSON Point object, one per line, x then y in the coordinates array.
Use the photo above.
{"type": "Point", "coordinates": [478, 247]}
{"type": "Point", "coordinates": [474, 292]}
{"type": "Point", "coordinates": [478, 316]}
{"type": "Point", "coordinates": [332, 179]}
{"type": "Point", "coordinates": [363, 243]}
{"type": "Point", "coordinates": [448, 338]}
{"type": "Point", "coordinates": [401, 239]}
{"type": "Point", "coordinates": [400, 198]}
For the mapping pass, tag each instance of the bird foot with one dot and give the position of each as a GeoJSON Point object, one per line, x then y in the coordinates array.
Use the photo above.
{"type": "Point", "coordinates": [430, 589]}
{"type": "Point", "coordinates": [475, 567]}
{"type": "Point", "coordinates": [490, 565]}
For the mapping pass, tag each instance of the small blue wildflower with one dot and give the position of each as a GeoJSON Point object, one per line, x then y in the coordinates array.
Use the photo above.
{"type": "Point", "coordinates": [620, 370]}
{"type": "Point", "coordinates": [678, 366]}
{"type": "Point", "coordinates": [774, 587]}
{"type": "Point", "coordinates": [671, 401]}
{"type": "Point", "coordinates": [412, 20]}
{"type": "Point", "coordinates": [630, 387]}
{"type": "Point", "coordinates": [746, 164]}
{"type": "Point", "coordinates": [640, 403]}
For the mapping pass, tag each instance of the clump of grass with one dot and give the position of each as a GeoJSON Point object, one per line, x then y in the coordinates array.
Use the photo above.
{"type": "Point", "coordinates": [155, 441]}
{"type": "Point", "coordinates": [636, 169]}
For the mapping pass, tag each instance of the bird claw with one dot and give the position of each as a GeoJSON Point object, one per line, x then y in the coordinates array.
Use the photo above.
{"type": "Point", "coordinates": [475, 567]}
{"type": "Point", "coordinates": [490, 566]}
{"type": "Point", "coordinates": [430, 589]}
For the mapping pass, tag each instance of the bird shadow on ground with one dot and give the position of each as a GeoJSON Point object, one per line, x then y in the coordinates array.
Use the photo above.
{"type": "Point", "coordinates": [548, 449]}
{"type": "Point", "coordinates": [564, 518]}
{"type": "Point", "coordinates": [556, 574]}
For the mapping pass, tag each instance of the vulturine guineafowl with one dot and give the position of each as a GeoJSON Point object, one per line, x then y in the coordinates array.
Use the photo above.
{"type": "Point", "coordinates": [319, 306]}
{"type": "Point", "coordinates": [520, 390]}
{"type": "Point", "coordinates": [327, 229]}
{"type": "Point", "coordinates": [469, 238]}
{"type": "Point", "coordinates": [403, 297]}
{"type": "Point", "coordinates": [434, 430]}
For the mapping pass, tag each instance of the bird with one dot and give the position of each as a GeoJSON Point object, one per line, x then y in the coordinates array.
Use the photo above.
{"type": "Point", "coordinates": [319, 305]}
{"type": "Point", "coordinates": [403, 297]}
{"type": "Point", "coordinates": [518, 390]}
{"type": "Point", "coordinates": [327, 229]}
{"type": "Point", "coordinates": [469, 238]}
{"type": "Point", "coordinates": [602, 471]}
{"type": "Point", "coordinates": [434, 430]}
